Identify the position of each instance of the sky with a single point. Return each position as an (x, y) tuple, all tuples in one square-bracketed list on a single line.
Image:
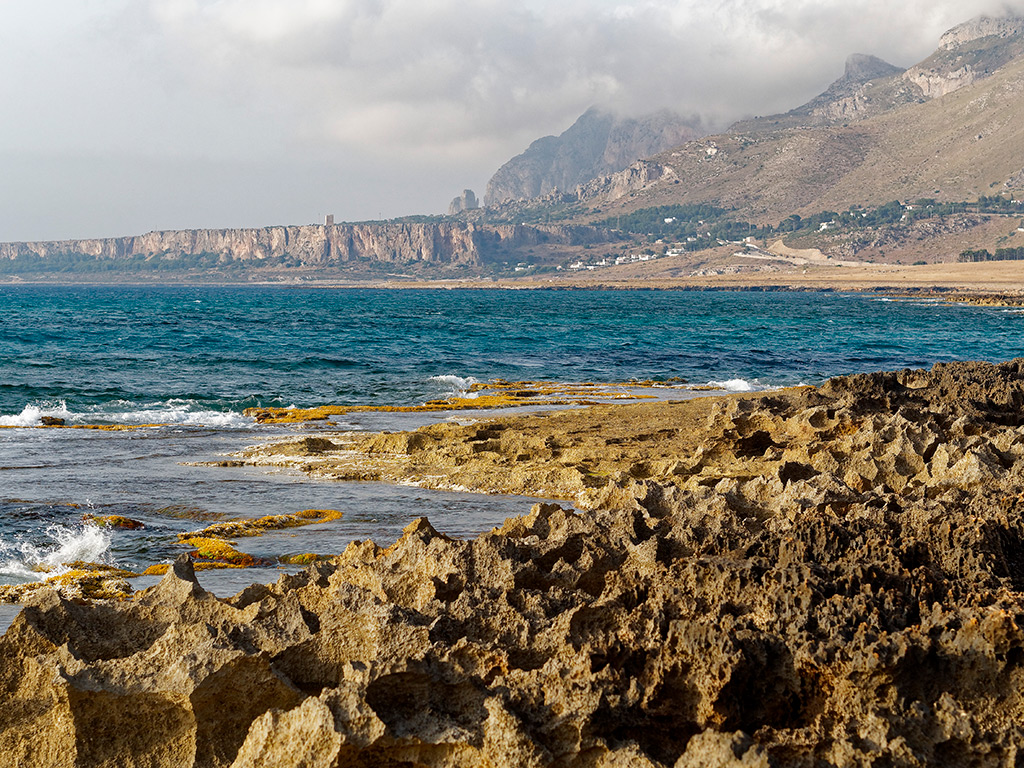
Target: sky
[(125, 116)]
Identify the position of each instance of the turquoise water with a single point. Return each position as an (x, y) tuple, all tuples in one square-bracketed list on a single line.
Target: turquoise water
[(194, 358)]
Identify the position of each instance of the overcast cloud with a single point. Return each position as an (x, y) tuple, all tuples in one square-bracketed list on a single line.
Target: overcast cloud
[(122, 116)]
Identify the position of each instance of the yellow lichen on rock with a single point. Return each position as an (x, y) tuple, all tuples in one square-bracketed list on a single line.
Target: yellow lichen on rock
[(113, 521), (485, 396), (83, 581), (258, 525), (219, 551), (160, 569)]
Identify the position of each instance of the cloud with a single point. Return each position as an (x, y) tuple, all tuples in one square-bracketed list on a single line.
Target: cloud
[(445, 76), (392, 106)]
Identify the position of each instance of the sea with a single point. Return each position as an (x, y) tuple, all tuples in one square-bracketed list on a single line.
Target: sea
[(190, 360)]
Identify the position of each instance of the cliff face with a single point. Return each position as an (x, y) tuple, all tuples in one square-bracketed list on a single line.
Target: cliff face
[(598, 143), (871, 87), (639, 176), (467, 201), (982, 27), (402, 243)]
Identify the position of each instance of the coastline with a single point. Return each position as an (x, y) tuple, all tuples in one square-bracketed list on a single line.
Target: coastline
[(827, 573), (949, 281)]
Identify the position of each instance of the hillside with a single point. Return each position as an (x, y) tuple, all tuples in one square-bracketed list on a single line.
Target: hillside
[(598, 143), (949, 128)]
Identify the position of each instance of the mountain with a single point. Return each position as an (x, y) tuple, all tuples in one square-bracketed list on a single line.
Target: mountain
[(950, 128), (598, 143)]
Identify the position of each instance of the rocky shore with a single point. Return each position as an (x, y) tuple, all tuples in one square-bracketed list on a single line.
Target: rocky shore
[(822, 576)]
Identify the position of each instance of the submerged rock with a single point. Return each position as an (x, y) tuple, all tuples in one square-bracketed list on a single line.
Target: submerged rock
[(811, 577)]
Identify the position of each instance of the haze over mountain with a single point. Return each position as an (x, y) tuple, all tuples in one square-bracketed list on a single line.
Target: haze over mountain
[(950, 128), (598, 143)]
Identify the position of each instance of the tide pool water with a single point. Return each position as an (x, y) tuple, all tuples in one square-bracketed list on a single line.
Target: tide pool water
[(192, 359)]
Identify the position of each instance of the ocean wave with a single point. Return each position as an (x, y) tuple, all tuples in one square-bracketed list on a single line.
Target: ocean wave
[(736, 385), (458, 385), (175, 412), (33, 413), (25, 561)]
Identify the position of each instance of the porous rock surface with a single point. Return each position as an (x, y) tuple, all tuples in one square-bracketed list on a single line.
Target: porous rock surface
[(812, 577)]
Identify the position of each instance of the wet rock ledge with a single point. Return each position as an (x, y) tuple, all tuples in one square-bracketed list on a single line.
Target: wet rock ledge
[(812, 577)]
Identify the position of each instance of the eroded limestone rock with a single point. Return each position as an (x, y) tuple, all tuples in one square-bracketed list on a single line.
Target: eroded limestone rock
[(820, 577)]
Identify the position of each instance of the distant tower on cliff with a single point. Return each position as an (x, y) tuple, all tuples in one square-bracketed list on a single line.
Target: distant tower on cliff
[(329, 220)]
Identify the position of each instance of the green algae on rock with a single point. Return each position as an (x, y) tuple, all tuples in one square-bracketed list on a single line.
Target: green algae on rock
[(258, 525)]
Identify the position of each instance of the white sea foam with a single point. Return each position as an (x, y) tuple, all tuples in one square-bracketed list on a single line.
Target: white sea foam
[(183, 412), (25, 561), (735, 385), (32, 414), (179, 412), (459, 385)]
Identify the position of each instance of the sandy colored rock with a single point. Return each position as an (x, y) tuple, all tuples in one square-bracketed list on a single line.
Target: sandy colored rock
[(812, 577)]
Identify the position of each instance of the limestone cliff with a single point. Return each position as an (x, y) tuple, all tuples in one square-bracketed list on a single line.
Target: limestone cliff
[(639, 176), (982, 27), (598, 143), (443, 243), (870, 86)]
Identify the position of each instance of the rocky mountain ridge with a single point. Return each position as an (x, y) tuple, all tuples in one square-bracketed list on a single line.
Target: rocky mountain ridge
[(598, 143), (947, 128)]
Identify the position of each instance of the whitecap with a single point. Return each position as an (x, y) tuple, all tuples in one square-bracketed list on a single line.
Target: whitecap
[(459, 385), (174, 412), (734, 385), (33, 413), (25, 561)]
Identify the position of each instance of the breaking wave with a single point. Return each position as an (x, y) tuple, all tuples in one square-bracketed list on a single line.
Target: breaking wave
[(171, 412), (32, 414), (25, 561), (458, 385), (736, 385)]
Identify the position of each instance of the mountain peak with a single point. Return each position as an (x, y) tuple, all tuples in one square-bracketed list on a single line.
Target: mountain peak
[(598, 143), (981, 27), (862, 68)]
